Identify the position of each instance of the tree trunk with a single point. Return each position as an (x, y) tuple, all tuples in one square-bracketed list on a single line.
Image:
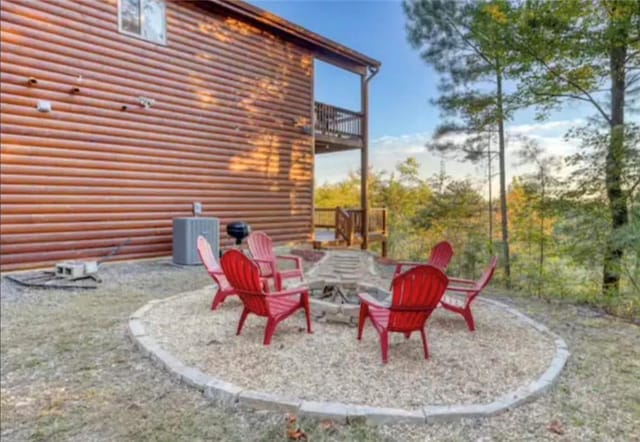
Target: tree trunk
[(542, 213), (503, 180), (613, 172), (490, 207)]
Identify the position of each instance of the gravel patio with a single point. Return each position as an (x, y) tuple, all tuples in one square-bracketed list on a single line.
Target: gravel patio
[(332, 365), (69, 372)]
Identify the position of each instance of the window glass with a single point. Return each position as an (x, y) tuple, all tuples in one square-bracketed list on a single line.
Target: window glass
[(130, 16), (153, 20), (144, 18)]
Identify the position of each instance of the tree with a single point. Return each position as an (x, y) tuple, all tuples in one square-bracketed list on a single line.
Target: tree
[(586, 51), (454, 211), (463, 41), (541, 184)]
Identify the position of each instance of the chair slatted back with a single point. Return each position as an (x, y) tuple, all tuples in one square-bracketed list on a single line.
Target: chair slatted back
[(441, 255), (261, 247), (244, 276), (415, 294), (206, 255)]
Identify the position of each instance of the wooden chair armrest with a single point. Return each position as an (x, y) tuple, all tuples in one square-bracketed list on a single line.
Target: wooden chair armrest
[(461, 281), (296, 259), (461, 289), (401, 264), (267, 262), (366, 298), (304, 290)]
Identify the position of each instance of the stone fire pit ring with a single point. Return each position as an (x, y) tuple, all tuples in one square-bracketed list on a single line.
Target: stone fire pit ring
[(147, 333)]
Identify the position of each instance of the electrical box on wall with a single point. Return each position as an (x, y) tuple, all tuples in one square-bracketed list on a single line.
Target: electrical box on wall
[(44, 106)]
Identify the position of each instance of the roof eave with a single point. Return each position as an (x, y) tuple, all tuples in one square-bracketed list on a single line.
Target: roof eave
[(329, 50)]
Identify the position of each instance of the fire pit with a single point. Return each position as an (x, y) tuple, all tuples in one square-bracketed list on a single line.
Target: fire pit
[(335, 300)]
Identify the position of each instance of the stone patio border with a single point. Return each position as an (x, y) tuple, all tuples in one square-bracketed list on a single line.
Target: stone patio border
[(229, 395)]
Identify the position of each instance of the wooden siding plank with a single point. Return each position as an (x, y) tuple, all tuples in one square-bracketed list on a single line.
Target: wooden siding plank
[(225, 130)]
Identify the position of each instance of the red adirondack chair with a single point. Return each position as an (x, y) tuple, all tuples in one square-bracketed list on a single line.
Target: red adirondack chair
[(261, 248), (440, 257), (471, 289), (244, 275), (215, 271), (416, 294)]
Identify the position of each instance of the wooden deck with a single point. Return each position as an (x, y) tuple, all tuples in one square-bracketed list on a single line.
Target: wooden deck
[(324, 235), (337, 129)]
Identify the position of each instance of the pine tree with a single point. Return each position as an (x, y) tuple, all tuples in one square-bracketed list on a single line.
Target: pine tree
[(587, 51), (463, 41)]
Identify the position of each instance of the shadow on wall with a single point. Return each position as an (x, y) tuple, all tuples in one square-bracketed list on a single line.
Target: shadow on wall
[(274, 109)]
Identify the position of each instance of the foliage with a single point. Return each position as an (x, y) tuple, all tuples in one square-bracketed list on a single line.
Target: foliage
[(553, 52), (573, 230), (589, 163), (586, 51), (342, 194), (565, 51), (465, 42)]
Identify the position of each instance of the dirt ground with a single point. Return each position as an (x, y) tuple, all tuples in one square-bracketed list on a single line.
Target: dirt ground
[(69, 372)]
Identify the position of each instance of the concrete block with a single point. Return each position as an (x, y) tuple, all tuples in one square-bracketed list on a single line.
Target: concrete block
[(222, 393), (268, 401), (439, 413), (136, 328), (387, 416), (194, 377), (324, 410)]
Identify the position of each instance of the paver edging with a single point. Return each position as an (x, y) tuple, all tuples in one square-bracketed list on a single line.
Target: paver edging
[(229, 395)]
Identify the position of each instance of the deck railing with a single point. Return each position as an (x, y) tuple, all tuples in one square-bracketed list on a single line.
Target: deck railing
[(344, 226), (377, 220), (336, 121), (326, 218)]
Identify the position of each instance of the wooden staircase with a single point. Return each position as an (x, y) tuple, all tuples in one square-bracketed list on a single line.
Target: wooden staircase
[(342, 228)]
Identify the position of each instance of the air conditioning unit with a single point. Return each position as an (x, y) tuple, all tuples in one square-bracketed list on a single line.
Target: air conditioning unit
[(185, 236)]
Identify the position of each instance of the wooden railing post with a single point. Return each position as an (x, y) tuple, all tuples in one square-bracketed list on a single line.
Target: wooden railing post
[(384, 220), (344, 225), (384, 232)]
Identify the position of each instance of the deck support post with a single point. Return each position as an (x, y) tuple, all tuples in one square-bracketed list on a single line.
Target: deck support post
[(364, 160), (364, 154)]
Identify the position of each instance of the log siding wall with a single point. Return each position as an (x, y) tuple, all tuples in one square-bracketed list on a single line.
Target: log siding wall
[(226, 129)]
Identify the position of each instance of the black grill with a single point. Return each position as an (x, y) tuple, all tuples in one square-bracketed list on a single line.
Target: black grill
[(238, 230)]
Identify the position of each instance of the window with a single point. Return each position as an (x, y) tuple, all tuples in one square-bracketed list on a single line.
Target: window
[(143, 18)]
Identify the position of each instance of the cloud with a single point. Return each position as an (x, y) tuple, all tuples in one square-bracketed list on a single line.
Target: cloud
[(388, 151), (560, 126)]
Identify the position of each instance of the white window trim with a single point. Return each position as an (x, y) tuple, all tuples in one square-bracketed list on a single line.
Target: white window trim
[(139, 36)]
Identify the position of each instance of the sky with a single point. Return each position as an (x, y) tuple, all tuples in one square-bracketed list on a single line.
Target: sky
[(402, 118)]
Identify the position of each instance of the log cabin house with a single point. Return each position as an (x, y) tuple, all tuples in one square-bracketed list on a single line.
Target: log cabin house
[(117, 115)]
